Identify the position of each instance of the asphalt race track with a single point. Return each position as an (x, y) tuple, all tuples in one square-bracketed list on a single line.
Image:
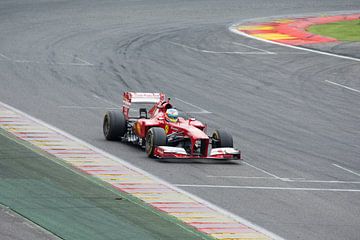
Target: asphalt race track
[(66, 62)]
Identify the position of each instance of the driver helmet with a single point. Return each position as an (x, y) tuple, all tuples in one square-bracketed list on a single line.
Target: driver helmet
[(171, 115)]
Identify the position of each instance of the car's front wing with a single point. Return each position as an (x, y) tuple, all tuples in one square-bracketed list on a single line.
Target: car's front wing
[(215, 153)]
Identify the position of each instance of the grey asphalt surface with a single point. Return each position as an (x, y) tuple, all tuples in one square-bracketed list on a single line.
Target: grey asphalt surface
[(342, 48), (66, 62), (10, 221)]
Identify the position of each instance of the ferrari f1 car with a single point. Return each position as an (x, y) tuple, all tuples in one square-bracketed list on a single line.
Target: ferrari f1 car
[(143, 121)]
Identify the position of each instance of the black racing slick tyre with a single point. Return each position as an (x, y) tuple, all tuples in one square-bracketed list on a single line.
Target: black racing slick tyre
[(114, 126), (222, 139), (155, 136)]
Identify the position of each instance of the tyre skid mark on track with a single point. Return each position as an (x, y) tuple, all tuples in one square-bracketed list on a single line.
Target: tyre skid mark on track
[(196, 212)]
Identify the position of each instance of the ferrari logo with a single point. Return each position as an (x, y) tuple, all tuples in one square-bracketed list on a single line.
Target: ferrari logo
[(166, 129)]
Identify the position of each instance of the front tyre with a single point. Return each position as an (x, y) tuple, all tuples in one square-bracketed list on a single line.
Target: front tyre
[(155, 137), (222, 139), (114, 125)]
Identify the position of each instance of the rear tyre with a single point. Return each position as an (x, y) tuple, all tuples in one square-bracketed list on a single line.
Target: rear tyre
[(114, 125), (155, 137), (222, 139)]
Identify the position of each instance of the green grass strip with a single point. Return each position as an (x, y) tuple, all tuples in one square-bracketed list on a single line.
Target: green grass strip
[(342, 31), (74, 205)]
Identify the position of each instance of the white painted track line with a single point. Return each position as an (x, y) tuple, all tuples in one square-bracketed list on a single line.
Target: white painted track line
[(106, 101), (343, 86), (86, 107), (323, 181), (83, 61), (262, 170), (76, 57), (295, 180), (259, 49), (46, 63), (6, 57), (217, 52), (348, 170), (190, 104), (240, 177), (268, 188)]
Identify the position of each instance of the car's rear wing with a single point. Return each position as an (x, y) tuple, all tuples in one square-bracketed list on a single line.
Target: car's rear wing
[(137, 97), (133, 97)]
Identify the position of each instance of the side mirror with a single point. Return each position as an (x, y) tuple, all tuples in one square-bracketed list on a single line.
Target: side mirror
[(191, 119)]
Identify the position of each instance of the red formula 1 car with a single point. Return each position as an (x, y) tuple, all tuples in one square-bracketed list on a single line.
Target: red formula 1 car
[(143, 121)]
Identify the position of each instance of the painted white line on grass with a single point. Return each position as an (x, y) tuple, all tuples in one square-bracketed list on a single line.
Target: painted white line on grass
[(203, 111), (259, 49), (269, 188), (234, 30), (216, 52), (133, 167), (343, 86), (348, 170)]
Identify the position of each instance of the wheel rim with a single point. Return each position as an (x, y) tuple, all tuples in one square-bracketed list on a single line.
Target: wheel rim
[(149, 144), (217, 138), (106, 126)]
